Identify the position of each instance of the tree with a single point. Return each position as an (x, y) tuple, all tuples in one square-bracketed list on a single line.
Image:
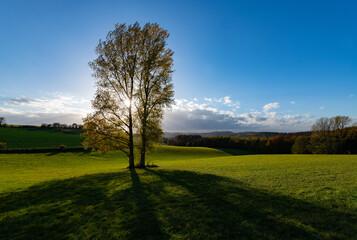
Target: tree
[(338, 125), (2, 121), (320, 141), (301, 145), (133, 72), (351, 140), (322, 125), (329, 135), (116, 69), (155, 89)]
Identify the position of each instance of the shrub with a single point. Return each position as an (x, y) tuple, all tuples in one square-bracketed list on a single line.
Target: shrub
[(3, 146), (62, 147)]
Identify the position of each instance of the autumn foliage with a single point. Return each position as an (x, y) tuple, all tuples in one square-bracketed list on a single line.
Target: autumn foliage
[(329, 136)]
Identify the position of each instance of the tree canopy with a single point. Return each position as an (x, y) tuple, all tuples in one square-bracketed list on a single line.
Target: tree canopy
[(133, 69)]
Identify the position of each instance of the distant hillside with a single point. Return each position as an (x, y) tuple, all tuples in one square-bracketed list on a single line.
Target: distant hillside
[(36, 137), (26, 137), (256, 134), (225, 133)]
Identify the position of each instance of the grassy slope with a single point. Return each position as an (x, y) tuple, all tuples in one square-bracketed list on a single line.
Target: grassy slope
[(23, 170), (196, 193), (23, 138)]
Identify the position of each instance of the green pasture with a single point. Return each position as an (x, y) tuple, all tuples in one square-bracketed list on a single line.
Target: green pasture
[(29, 138), (195, 193)]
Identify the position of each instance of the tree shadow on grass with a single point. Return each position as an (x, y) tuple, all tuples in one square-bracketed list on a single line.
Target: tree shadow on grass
[(144, 220), (162, 204)]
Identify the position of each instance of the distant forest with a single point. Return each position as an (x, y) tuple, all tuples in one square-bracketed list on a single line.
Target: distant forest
[(328, 136), (283, 143)]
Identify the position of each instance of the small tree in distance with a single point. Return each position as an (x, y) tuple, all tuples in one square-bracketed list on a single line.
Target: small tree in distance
[(2, 121)]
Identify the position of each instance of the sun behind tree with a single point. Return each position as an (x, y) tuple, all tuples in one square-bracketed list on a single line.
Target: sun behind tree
[(134, 84)]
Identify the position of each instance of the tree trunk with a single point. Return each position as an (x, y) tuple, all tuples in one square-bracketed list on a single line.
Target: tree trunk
[(143, 146), (131, 141)]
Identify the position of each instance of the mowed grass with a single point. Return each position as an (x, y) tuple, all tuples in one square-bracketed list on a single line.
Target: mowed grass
[(195, 193), (29, 138)]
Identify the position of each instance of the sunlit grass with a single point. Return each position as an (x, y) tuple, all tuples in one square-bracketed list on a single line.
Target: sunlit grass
[(196, 193), (29, 138)]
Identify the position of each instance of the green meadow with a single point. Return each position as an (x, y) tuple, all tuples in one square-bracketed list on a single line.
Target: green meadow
[(195, 193), (31, 137)]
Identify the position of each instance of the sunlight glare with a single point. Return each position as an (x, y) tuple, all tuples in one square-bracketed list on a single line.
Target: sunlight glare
[(127, 102)]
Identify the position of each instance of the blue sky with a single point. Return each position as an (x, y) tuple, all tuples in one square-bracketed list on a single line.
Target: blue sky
[(239, 65)]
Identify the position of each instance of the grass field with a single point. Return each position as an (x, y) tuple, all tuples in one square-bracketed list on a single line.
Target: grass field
[(195, 193), (28, 138)]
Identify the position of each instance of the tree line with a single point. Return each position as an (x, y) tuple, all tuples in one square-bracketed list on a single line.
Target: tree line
[(328, 136), (277, 144), (61, 125), (43, 125), (333, 135)]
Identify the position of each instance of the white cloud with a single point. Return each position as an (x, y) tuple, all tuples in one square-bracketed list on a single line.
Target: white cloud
[(322, 107), (270, 106), (290, 116), (187, 105), (351, 95), (271, 114), (57, 103), (292, 102), (6, 111), (187, 115), (54, 107), (227, 100), (38, 118)]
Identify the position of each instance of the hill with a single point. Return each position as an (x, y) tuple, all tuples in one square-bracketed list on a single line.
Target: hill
[(36, 137)]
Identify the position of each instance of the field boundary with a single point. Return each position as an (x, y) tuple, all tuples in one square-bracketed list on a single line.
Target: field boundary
[(43, 150)]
